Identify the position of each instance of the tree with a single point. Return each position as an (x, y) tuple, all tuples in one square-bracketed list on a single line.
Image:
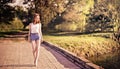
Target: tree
[(101, 17), (2, 2), (7, 13), (48, 9), (75, 13), (10, 16)]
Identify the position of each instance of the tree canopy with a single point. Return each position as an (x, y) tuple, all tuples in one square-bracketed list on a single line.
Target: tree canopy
[(81, 15), (69, 15)]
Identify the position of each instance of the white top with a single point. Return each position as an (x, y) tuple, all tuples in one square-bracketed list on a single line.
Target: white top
[(35, 28)]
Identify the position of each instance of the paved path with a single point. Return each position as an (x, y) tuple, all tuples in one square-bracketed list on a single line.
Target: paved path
[(18, 55)]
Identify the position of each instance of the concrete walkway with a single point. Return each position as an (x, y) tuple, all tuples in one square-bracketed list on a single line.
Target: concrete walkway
[(18, 55)]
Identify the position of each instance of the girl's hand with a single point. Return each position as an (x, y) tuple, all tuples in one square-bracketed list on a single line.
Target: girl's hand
[(41, 39), (29, 38)]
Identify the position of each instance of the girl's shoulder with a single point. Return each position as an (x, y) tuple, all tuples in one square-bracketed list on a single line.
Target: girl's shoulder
[(30, 23), (40, 24)]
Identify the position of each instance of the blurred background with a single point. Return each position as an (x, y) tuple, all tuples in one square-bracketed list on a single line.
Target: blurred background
[(87, 28)]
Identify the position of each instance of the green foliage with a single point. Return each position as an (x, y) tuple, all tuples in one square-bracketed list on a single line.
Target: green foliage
[(7, 13), (76, 13), (46, 10), (20, 12), (108, 61), (70, 10), (66, 27), (84, 45), (80, 11), (16, 23), (4, 27), (115, 4), (103, 17), (13, 25), (99, 23), (80, 27)]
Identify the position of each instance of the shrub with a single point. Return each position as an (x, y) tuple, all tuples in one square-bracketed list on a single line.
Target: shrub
[(13, 25), (66, 27), (4, 27), (16, 24)]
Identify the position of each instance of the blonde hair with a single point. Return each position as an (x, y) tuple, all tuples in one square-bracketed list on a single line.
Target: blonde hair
[(34, 18)]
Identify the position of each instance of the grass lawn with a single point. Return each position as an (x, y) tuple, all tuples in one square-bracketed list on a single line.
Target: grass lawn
[(86, 45)]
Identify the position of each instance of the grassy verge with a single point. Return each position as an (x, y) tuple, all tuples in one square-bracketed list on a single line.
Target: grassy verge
[(108, 61), (12, 32), (86, 45)]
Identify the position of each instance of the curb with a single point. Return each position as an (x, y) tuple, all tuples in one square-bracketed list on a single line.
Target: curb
[(82, 62)]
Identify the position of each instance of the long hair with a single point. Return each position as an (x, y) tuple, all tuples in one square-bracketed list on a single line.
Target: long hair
[(36, 18)]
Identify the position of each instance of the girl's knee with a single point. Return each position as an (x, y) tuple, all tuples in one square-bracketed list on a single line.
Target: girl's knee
[(37, 48)]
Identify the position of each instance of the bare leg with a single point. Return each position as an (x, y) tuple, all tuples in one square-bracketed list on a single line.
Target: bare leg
[(33, 48), (37, 51)]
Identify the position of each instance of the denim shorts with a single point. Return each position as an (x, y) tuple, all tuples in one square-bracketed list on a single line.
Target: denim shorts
[(34, 36)]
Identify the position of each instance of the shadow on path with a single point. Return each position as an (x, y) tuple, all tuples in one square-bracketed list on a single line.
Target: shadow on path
[(61, 59)]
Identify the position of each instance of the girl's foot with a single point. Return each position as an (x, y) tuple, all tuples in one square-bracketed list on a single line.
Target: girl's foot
[(35, 62)]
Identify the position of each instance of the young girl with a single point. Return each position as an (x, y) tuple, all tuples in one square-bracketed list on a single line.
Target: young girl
[(35, 36)]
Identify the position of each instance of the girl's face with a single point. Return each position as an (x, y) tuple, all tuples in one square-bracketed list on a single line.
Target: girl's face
[(37, 19)]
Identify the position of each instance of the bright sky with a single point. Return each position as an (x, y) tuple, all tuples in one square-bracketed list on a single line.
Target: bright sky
[(18, 3)]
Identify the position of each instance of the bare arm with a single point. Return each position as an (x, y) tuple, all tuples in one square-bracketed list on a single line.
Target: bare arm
[(29, 33), (40, 33)]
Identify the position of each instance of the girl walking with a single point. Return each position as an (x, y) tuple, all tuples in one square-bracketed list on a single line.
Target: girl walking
[(35, 36)]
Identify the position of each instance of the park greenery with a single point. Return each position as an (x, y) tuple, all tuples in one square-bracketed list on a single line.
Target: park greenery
[(79, 15), (66, 15), (86, 45), (84, 27)]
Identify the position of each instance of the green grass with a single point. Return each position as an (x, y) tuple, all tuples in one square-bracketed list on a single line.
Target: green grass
[(11, 32), (86, 45), (108, 61)]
